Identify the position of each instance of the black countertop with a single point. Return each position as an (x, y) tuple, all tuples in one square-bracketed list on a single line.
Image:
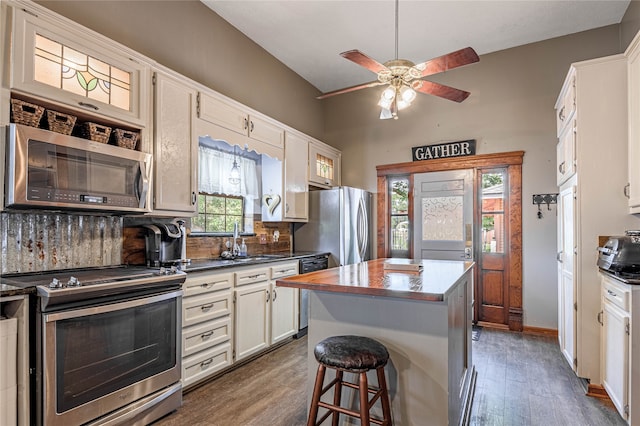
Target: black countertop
[(21, 284)]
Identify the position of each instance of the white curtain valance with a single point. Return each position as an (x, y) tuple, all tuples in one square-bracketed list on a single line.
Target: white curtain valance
[(215, 168)]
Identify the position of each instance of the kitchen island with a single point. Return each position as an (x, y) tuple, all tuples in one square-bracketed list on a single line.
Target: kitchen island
[(424, 320)]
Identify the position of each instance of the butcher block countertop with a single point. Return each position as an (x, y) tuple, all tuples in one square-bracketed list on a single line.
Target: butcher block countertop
[(433, 282)]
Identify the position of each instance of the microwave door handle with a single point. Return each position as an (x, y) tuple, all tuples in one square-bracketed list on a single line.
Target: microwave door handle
[(144, 179)]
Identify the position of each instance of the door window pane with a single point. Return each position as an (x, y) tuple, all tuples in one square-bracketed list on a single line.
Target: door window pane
[(492, 204), (399, 220), (442, 218)]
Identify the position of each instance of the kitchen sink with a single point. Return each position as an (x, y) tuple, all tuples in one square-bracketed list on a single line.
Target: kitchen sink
[(260, 257)]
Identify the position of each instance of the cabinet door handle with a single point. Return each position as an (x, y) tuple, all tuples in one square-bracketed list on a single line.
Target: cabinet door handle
[(251, 129), (561, 167), (559, 256), (246, 123), (626, 191), (88, 105), (600, 318), (561, 114), (268, 296), (275, 295), (193, 198), (206, 307)]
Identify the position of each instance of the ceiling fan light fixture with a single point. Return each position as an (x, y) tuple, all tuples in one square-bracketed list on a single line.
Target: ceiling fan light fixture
[(407, 94)]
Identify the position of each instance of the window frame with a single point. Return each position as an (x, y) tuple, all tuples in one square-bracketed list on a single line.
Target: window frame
[(241, 222), (398, 252)]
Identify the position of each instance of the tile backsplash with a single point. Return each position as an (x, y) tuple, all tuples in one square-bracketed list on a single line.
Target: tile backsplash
[(34, 242)]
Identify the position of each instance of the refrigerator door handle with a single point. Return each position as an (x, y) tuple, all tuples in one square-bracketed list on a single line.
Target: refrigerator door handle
[(363, 238)]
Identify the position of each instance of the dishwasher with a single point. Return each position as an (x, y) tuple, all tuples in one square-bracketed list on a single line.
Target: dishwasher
[(308, 264)]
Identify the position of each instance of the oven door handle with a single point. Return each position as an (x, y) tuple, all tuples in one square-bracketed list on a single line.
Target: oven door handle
[(95, 310)]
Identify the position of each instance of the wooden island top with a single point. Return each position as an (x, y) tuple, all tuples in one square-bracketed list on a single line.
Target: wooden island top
[(433, 283)]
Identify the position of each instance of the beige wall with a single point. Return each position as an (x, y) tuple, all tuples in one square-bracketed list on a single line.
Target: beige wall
[(189, 38), (511, 107)]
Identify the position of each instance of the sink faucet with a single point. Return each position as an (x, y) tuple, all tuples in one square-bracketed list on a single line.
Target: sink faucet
[(236, 248)]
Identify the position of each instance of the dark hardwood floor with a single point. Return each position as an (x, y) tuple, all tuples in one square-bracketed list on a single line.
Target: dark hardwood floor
[(522, 380)]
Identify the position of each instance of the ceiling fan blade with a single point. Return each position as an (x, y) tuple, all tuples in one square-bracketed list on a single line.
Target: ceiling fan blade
[(363, 60), (446, 92), (449, 61), (350, 89)]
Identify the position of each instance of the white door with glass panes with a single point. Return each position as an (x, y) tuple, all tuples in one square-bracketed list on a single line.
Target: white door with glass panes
[(443, 215)]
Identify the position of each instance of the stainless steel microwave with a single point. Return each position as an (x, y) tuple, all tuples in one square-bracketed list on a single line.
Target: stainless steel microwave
[(49, 170)]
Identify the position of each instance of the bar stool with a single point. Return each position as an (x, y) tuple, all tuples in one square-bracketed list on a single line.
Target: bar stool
[(353, 354)]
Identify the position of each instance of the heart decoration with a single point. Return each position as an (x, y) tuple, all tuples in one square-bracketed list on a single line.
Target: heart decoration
[(271, 201)]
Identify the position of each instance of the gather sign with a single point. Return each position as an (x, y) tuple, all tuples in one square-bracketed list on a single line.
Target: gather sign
[(444, 150)]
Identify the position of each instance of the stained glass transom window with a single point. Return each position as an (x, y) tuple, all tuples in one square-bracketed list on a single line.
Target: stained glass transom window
[(324, 167), (60, 66), (442, 218)]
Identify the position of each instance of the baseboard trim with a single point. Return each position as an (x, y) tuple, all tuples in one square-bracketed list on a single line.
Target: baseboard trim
[(493, 325), (540, 331)]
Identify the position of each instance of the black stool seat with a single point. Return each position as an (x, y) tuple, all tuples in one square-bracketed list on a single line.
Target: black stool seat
[(355, 355), (351, 353)]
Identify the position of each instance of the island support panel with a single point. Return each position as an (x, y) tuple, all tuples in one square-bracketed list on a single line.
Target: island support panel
[(430, 374)]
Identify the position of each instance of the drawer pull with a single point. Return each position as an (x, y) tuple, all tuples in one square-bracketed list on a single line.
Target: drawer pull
[(206, 335), (253, 277), (611, 293), (561, 114), (206, 307), (206, 363), (206, 285), (284, 271)]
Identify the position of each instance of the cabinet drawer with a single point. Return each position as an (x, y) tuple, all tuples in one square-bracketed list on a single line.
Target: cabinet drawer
[(616, 294), (206, 283), (205, 307), (205, 335), (250, 276), (205, 363), (284, 270)]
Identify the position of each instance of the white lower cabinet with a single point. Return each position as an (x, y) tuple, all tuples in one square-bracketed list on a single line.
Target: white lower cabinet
[(284, 303), (620, 304), (264, 314), (229, 316), (252, 319), (207, 326)]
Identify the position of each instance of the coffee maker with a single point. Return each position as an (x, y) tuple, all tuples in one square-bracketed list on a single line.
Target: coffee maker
[(165, 244)]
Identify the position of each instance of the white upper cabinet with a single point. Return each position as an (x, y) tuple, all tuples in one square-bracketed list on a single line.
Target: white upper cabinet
[(633, 80), (66, 64), (324, 165), (175, 147), (261, 134), (296, 182)]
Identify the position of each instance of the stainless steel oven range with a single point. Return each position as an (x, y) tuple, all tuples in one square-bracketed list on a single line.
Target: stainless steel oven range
[(108, 346)]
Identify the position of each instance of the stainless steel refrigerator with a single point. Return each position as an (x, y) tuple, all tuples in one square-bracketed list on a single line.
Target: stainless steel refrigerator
[(339, 223)]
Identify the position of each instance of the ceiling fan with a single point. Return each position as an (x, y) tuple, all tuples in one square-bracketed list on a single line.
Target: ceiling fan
[(404, 78)]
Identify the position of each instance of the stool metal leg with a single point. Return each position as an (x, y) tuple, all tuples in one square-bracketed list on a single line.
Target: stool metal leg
[(337, 395), (384, 397), (317, 389), (364, 399)]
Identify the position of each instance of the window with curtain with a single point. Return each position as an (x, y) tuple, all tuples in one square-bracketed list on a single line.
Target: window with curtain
[(221, 202)]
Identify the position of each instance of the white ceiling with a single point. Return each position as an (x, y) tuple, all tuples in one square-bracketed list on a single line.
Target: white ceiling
[(308, 35)]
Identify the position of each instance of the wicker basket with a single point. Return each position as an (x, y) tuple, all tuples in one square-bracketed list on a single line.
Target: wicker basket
[(60, 123), (26, 113), (96, 132), (125, 138)]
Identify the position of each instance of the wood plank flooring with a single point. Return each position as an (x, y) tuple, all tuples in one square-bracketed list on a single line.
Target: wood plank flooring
[(522, 380)]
